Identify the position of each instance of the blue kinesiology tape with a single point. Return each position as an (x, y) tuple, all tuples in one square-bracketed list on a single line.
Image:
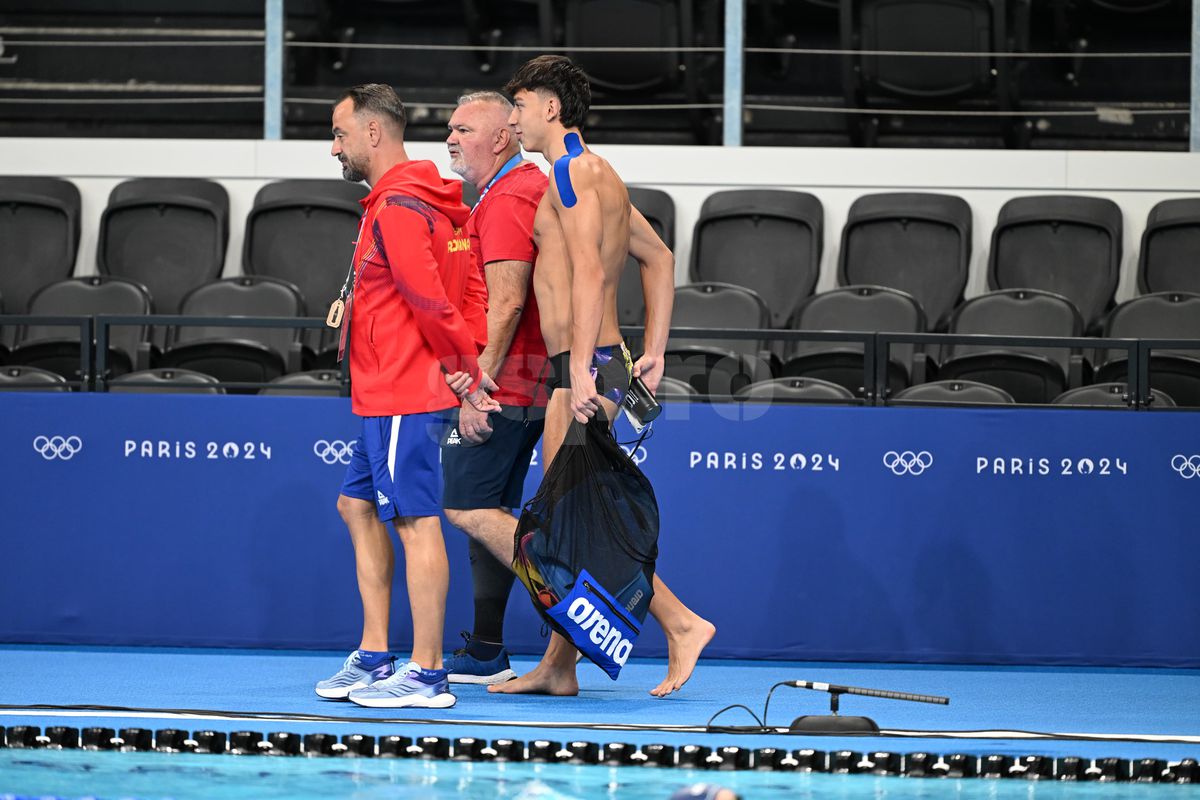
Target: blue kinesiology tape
[(562, 169)]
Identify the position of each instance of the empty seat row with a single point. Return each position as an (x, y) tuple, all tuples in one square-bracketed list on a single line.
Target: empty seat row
[(1031, 374), (166, 380), (170, 235), (920, 243), (234, 353)]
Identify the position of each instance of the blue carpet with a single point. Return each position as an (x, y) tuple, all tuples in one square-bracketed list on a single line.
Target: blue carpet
[(1065, 700)]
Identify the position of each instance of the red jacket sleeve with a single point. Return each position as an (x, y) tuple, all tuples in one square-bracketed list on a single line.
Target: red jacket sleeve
[(408, 244)]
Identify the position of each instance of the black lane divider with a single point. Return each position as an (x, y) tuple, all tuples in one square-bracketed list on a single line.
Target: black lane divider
[(918, 764), (283, 716)]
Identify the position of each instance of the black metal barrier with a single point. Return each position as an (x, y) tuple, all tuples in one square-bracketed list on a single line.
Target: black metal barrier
[(95, 337)]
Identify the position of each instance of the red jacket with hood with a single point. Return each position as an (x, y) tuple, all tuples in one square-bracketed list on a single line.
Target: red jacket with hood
[(420, 305)]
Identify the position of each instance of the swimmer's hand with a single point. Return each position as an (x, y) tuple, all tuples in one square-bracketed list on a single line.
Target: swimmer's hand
[(650, 369), (584, 400), (473, 424)]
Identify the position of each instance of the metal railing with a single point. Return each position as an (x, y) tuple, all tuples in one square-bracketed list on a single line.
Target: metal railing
[(94, 336)]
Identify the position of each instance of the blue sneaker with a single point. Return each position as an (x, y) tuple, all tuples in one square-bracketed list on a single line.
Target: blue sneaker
[(353, 676), (466, 668), (406, 689)]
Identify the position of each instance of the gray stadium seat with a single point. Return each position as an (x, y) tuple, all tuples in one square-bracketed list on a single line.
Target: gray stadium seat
[(39, 226), (1066, 244), (168, 234), (871, 309), (716, 366), (767, 240), (800, 390), (165, 380), (1108, 394), (56, 347), (1163, 315), (314, 383), (1167, 260), (917, 243), (234, 354), (951, 393), (673, 389), (31, 379), (659, 210), (1030, 375)]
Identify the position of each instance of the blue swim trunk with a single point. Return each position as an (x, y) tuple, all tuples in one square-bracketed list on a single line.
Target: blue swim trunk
[(396, 466)]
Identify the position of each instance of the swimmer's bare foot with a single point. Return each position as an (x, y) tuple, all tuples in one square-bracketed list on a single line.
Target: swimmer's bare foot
[(542, 679), (684, 645)]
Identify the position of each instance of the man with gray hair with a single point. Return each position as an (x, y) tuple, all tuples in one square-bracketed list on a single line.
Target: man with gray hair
[(485, 457)]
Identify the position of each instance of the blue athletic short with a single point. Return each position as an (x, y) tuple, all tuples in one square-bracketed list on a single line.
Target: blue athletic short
[(395, 465), (491, 474)]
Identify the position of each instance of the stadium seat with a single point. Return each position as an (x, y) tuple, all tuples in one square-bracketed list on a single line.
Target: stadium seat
[(56, 347), (1066, 244), (768, 240), (31, 379), (238, 354), (715, 366), (672, 389), (168, 234), (917, 243), (635, 76), (165, 380), (314, 383), (870, 309), (951, 393), (1029, 374), (881, 80), (804, 390), (659, 210), (1108, 394), (1163, 315), (1167, 259), (39, 226), (302, 231)]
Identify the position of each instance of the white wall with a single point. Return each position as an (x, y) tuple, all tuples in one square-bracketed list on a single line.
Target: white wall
[(984, 178)]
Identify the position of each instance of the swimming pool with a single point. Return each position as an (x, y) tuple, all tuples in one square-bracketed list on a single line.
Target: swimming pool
[(151, 776)]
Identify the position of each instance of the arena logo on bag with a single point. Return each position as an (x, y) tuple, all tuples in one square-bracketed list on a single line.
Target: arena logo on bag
[(1044, 466), (185, 450), (60, 448), (334, 451), (907, 462)]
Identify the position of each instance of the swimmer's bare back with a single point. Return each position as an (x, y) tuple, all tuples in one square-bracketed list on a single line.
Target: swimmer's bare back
[(574, 223)]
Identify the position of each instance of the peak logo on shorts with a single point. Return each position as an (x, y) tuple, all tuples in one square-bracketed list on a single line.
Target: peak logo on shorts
[(452, 438), (603, 633)]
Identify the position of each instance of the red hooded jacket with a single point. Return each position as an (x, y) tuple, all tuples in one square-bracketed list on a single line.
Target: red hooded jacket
[(420, 305)]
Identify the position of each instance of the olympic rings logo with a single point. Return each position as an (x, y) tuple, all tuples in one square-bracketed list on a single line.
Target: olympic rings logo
[(1188, 467), (333, 452), (636, 456), (52, 447), (907, 462)]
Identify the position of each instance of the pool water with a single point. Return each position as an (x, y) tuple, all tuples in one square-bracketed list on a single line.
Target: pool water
[(151, 776)]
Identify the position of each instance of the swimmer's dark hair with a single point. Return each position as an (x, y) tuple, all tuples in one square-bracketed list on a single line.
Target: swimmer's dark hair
[(561, 77), (377, 98)]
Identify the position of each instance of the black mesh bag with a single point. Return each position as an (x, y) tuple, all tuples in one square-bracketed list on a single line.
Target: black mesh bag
[(586, 544)]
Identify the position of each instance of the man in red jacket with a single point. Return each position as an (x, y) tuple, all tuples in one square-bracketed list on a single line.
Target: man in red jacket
[(416, 309)]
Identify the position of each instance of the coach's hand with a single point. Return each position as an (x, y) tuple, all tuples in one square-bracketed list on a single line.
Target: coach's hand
[(460, 382), (650, 369), (473, 424)]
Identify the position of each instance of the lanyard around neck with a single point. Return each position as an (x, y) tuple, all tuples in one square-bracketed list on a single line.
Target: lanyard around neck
[(509, 165)]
